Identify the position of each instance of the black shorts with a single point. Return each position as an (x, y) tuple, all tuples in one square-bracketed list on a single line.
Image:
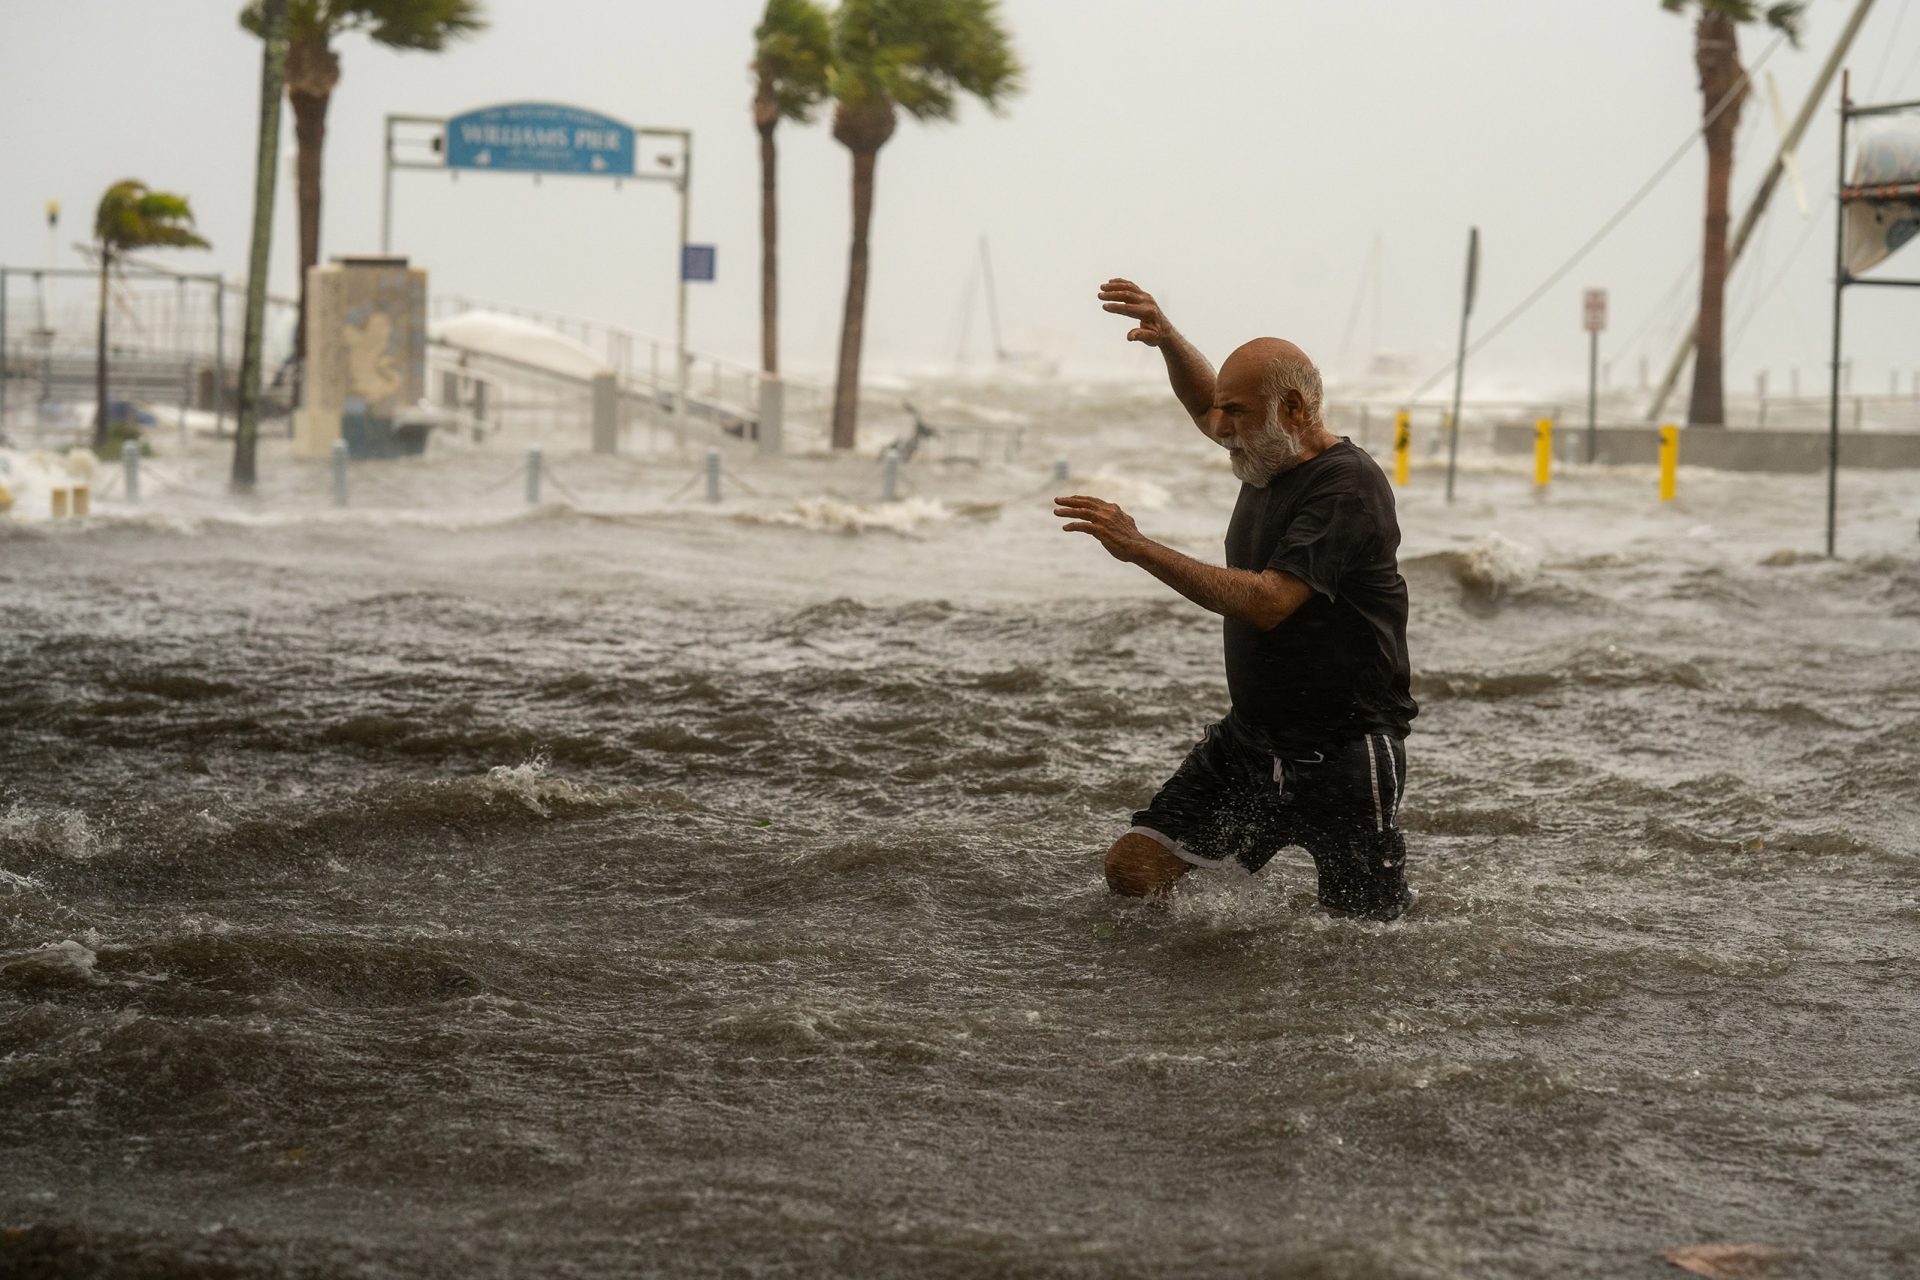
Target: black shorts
[(1232, 804)]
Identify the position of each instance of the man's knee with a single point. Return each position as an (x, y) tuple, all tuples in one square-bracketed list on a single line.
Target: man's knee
[(1141, 867)]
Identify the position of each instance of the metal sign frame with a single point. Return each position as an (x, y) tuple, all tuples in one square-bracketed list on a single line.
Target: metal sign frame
[(418, 134), (1842, 277)]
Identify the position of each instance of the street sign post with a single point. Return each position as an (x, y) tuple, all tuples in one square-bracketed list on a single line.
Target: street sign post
[(546, 137), (1594, 314), (540, 137), (1460, 361)]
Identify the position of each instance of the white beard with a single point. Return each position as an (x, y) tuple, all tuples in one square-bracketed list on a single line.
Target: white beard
[(1266, 454)]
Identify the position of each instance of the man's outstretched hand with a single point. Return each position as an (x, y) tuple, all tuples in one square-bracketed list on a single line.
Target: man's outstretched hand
[(1125, 298), (1112, 526)]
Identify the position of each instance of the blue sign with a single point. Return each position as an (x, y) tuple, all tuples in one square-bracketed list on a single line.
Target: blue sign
[(540, 137), (696, 261)]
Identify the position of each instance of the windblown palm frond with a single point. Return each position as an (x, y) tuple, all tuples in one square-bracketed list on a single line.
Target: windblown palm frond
[(792, 50)]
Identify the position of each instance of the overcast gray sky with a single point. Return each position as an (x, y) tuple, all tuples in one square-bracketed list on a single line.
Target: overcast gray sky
[(1239, 157)]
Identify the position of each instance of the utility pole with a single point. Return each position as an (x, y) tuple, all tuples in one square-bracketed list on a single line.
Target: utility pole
[(273, 70)]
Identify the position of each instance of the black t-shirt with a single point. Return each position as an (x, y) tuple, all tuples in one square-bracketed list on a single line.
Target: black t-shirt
[(1337, 668)]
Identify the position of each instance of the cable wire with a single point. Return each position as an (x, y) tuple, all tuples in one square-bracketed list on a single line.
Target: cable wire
[(1606, 229)]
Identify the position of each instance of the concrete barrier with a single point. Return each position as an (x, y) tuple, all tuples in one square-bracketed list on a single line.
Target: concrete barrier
[(1735, 448)]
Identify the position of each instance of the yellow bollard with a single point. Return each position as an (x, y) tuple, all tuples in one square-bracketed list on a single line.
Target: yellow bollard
[(1542, 452), (1669, 460), (1402, 446), (59, 498), (6, 499), (82, 500)]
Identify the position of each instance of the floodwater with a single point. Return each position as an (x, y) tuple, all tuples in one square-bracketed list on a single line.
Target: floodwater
[(638, 886)]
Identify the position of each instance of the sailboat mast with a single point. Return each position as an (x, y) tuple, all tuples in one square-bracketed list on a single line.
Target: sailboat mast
[(993, 300)]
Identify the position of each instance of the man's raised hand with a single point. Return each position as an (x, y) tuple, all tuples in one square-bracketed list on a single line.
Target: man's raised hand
[(1125, 298), (1112, 526)]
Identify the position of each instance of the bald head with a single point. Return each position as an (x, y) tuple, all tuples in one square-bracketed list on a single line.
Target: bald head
[(1278, 374)]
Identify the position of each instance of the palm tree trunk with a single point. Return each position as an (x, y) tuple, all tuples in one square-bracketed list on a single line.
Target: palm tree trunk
[(100, 358), (846, 390), (1718, 58), (310, 135), (769, 256), (273, 66)]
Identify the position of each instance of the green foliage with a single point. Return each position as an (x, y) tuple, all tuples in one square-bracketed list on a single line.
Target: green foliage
[(398, 24), (1781, 17), (792, 51), (132, 217), (921, 54), (108, 448)]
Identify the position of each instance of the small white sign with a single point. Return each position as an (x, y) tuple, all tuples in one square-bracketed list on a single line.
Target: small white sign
[(1596, 311)]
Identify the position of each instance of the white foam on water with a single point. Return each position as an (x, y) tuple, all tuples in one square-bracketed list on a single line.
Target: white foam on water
[(528, 784), (1497, 565), (1127, 491), (12, 883), (65, 832), (55, 957), (830, 515)]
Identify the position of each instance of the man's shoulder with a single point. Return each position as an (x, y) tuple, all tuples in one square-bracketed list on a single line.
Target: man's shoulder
[(1344, 468)]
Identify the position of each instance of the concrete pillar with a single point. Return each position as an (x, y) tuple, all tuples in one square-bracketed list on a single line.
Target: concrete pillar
[(606, 413), (773, 405)]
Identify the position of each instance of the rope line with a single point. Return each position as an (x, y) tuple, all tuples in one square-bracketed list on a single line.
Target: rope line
[(1607, 228)]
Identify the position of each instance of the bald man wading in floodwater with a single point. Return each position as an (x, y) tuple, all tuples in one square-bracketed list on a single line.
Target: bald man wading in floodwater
[(1311, 752)]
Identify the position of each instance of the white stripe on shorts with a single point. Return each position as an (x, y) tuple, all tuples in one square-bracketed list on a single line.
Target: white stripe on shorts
[(1373, 780), (1181, 851), (1393, 779)]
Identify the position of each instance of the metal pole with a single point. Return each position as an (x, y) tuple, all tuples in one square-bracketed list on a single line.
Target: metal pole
[(1839, 284), (3, 349), (386, 186), (1460, 362), (219, 355), (339, 473), (680, 316), (1593, 373), (713, 475), (130, 463), (890, 475), (533, 476), (1751, 218)]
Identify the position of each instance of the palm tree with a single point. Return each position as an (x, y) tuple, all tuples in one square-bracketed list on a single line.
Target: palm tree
[(891, 56), (1723, 91), (313, 71), (132, 217), (792, 48)]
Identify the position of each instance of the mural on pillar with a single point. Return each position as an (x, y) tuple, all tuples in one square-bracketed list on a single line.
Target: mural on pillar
[(371, 365)]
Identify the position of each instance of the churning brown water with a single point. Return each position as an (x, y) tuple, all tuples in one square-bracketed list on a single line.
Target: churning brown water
[(637, 887)]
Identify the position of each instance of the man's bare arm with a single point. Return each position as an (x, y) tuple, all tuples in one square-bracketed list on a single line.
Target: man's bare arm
[(1262, 600), (1187, 370)]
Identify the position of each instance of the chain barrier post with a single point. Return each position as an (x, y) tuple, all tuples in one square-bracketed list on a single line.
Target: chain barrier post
[(533, 476), (890, 475), (1669, 461), (713, 475), (130, 463), (339, 473), (1402, 447), (1542, 453), (1059, 470)]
